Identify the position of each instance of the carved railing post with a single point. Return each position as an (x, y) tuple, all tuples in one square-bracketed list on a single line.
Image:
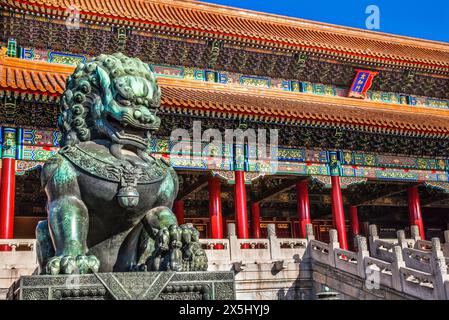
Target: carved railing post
[(373, 237), (309, 232), (436, 253), (271, 230), (362, 252), (396, 266), (414, 230), (234, 246), (333, 244), (441, 276), (274, 243), (446, 243), (307, 258), (402, 242), (231, 229)]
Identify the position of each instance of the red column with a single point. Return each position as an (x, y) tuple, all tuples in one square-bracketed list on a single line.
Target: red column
[(216, 221), (179, 211), (338, 213), (241, 215), (255, 217), (414, 207), (303, 207), (355, 227), (7, 189)]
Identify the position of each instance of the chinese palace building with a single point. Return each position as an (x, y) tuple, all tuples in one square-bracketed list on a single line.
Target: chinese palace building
[(363, 117)]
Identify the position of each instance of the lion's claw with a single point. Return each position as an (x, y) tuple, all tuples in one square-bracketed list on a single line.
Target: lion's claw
[(177, 249), (68, 264), (195, 258)]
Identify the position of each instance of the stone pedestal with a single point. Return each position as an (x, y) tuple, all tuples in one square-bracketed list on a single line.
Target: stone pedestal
[(126, 286)]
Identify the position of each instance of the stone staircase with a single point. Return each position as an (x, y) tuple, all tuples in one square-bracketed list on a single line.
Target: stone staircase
[(277, 268), (400, 268)]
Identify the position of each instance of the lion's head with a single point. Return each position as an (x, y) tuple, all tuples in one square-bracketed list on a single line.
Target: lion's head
[(113, 97)]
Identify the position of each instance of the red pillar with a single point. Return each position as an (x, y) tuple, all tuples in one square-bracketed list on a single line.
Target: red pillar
[(414, 207), (255, 218), (216, 220), (241, 215), (303, 206), (179, 211), (338, 213), (7, 189), (355, 227)]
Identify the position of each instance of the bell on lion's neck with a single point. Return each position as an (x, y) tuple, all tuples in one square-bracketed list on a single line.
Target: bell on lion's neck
[(128, 197)]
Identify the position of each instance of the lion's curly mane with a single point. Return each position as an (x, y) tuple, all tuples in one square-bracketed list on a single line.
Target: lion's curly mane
[(88, 88)]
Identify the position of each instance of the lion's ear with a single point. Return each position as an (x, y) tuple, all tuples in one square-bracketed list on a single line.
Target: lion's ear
[(105, 83)]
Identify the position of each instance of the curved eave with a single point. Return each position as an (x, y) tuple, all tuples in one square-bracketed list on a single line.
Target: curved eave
[(211, 99), (22, 77)]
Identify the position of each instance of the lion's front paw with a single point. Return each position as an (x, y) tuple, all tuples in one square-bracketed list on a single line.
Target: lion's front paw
[(68, 264), (194, 257), (198, 261)]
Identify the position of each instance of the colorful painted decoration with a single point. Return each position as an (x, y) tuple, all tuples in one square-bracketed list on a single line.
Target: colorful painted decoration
[(66, 58), (344, 181), (23, 166), (362, 83), (443, 186), (259, 82), (12, 47), (394, 174), (39, 137), (9, 143), (228, 176)]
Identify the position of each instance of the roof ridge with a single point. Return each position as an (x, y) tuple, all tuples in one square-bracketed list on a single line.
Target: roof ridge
[(36, 65), (255, 15), (313, 24)]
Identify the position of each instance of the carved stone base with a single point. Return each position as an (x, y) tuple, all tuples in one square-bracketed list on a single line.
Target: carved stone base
[(126, 286)]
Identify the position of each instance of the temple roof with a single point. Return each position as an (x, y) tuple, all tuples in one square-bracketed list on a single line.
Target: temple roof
[(201, 19), (213, 99), (33, 77)]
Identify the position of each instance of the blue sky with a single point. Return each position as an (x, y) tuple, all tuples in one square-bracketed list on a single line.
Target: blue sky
[(422, 19)]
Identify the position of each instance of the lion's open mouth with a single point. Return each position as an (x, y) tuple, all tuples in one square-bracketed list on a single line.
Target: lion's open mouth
[(126, 129)]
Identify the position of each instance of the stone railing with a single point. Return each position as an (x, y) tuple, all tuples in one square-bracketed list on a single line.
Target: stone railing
[(22, 252), (20, 260), (445, 246), (377, 245), (345, 260), (392, 263), (319, 251), (409, 266), (383, 248), (272, 249), (22, 244)]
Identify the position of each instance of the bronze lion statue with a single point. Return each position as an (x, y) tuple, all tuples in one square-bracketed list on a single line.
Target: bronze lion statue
[(109, 199)]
